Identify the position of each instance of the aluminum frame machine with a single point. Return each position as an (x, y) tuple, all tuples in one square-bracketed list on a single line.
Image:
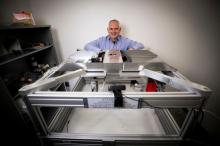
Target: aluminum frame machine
[(113, 98)]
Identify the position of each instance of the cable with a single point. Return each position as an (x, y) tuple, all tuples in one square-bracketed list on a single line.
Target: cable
[(198, 116), (67, 125), (140, 100), (158, 86), (192, 134), (202, 117), (213, 114)]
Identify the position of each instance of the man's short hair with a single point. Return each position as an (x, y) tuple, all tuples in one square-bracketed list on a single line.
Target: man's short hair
[(114, 20)]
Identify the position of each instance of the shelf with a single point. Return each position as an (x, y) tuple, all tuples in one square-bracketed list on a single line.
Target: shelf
[(23, 27), (12, 57)]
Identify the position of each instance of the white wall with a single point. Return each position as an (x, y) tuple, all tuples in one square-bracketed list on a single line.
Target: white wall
[(185, 34)]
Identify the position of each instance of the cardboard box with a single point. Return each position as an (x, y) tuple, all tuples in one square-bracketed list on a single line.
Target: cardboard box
[(23, 17)]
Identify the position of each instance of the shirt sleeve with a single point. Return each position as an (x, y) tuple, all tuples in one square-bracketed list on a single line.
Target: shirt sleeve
[(135, 45), (92, 46)]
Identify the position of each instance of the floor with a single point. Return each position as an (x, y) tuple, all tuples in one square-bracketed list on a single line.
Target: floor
[(198, 136)]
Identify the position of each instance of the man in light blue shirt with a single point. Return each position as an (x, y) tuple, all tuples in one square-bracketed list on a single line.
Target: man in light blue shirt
[(113, 41)]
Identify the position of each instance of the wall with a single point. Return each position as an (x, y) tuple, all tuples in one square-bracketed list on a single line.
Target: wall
[(185, 34), (8, 7)]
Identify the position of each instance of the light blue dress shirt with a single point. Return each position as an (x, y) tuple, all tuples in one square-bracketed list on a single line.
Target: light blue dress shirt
[(105, 43)]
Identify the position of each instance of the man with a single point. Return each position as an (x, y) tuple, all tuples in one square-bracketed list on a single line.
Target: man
[(113, 41)]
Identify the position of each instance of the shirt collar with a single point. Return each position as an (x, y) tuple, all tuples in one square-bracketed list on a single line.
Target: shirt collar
[(117, 39)]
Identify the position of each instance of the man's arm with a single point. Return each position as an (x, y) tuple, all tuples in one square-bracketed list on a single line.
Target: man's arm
[(92, 46), (133, 45)]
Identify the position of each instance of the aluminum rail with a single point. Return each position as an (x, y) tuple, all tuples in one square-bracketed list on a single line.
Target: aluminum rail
[(79, 99), (50, 82)]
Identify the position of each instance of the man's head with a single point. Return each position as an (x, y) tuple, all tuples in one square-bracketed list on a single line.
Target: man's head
[(114, 29)]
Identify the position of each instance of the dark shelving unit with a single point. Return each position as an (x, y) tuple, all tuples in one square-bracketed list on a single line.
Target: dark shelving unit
[(13, 57), (20, 47), (20, 44)]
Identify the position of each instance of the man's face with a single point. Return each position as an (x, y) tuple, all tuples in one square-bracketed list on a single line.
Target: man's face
[(114, 30)]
